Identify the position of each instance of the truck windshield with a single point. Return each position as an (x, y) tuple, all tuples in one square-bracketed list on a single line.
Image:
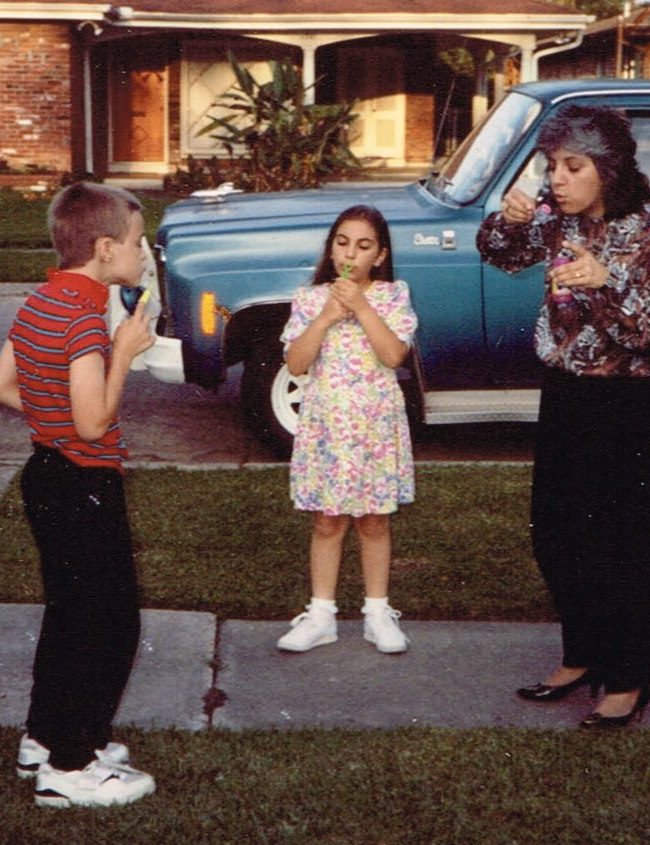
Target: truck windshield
[(481, 154)]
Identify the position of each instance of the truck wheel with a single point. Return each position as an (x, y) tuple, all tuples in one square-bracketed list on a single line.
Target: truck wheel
[(271, 397)]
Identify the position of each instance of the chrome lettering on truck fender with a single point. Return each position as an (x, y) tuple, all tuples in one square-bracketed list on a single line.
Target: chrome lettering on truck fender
[(425, 240)]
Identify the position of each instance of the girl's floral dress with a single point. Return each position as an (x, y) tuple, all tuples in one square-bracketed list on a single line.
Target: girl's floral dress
[(352, 450)]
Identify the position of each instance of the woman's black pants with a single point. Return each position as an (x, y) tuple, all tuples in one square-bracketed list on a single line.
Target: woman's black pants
[(91, 624), (591, 520)]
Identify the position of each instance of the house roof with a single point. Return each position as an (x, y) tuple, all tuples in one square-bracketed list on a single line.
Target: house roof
[(321, 9), (638, 20), (494, 14)]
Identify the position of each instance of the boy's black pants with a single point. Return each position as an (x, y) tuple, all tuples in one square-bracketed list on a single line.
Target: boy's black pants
[(91, 624)]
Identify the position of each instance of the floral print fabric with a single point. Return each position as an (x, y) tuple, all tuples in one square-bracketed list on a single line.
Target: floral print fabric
[(603, 332), (352, 450)]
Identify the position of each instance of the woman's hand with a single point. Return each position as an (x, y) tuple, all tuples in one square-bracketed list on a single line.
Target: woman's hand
[(517, 207), (584, 271)]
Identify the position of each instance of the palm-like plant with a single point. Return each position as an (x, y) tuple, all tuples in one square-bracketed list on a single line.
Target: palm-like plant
[(274, 139)]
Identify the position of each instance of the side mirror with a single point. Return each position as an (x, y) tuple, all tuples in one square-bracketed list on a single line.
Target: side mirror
[(129, 297)]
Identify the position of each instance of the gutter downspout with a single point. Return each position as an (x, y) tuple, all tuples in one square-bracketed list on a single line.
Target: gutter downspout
[(88, 113), (87, 92), (559, 48)]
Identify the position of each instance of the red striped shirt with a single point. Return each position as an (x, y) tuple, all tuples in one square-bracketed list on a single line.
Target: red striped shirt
[(60, 322)]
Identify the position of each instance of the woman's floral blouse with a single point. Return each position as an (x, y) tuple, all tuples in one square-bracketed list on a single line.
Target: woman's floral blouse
[(352, 450), (603, 332)]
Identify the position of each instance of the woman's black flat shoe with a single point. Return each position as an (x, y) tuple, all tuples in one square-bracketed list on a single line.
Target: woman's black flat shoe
[(596, 721), (546, 693)]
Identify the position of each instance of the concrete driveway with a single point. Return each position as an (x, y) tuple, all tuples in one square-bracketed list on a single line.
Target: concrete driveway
[(186, 424)]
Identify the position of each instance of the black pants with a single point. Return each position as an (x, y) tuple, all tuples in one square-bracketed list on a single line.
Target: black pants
[(591, 520), (91, 624)]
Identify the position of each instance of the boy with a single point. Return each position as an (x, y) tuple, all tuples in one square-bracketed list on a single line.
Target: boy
[(58, 369)]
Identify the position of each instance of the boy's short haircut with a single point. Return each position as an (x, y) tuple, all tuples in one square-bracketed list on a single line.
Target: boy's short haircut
[(81, 213)]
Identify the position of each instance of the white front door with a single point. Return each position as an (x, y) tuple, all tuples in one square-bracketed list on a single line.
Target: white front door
[(373, 78)]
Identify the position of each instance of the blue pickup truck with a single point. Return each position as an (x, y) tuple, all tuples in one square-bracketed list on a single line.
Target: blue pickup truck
[(231, 262)]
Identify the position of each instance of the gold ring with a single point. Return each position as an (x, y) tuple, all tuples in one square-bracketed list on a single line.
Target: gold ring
[(578, 274)]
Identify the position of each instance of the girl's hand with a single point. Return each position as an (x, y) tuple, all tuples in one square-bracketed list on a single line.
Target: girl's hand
[(517, 207), (349, 295), (584, 271), (333, 311)]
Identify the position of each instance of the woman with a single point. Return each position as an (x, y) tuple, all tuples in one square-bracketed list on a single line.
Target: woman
[(591, 481)]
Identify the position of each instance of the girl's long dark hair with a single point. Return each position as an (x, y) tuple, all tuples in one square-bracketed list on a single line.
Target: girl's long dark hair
[(605, 136), (325, 270)]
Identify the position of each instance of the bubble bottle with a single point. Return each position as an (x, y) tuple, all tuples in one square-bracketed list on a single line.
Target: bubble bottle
[(543, 213), (561, 295)]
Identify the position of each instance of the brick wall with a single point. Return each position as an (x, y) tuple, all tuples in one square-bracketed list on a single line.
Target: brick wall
[(596, 57), (35, 95)]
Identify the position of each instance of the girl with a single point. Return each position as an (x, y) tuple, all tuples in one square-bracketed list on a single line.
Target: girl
[(591, 483), (352, 451)]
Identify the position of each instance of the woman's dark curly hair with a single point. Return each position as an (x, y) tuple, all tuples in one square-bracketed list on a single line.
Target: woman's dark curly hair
[(605, 136), (325, 270)]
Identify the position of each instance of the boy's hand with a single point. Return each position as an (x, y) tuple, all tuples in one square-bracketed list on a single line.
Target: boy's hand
[(133, 335)]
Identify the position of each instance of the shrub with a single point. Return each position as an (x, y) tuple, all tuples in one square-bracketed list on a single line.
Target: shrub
[(199, 174), (275, 141)]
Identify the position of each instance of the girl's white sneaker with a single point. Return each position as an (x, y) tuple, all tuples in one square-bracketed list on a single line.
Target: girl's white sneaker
[(315, 627), (381, 627)]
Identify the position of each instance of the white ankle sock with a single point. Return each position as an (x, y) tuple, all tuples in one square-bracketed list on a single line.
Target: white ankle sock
[(323, 604), (371, 605)]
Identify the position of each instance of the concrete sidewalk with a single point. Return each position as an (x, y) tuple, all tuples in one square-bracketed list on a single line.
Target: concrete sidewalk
[(173, 668), (455, 674)]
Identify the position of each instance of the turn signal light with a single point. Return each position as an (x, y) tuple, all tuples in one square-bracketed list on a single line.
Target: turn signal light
[(208, 313)]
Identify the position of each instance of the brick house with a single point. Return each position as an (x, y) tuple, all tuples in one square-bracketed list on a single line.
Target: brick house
[(91, 87)]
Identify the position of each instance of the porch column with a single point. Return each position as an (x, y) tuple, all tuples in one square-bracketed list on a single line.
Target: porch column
[(309, 72), (480, 98), (526, 45), (501, 81), (528, 67)]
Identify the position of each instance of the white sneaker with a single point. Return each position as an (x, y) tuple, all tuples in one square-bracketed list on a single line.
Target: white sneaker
[(31, 755), (98, 785), (315, 627), (381, 627)]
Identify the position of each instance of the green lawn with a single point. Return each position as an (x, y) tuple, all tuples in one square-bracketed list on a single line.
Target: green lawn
[(19, 265), (230, 542), (398, 787), (23, 228)]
